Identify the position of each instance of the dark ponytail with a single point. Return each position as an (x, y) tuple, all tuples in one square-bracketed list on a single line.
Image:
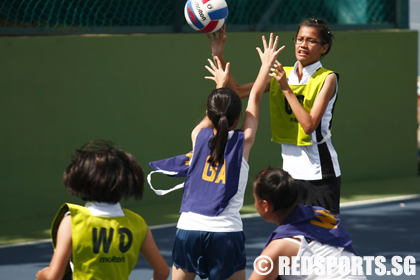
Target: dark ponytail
[(223, 108)]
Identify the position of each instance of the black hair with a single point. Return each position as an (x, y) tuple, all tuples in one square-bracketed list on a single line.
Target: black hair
[(223, 107), (323, 30), (100, 172), (277, 187)]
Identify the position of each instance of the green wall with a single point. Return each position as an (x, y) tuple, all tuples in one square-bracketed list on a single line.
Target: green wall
[(146, 93)]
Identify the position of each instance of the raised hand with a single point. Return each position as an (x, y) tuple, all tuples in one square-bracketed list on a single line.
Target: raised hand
[(270, 53), (218, 42), (220, 75)]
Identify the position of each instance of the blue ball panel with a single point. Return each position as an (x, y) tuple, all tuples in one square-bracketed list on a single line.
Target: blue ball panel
[(219, 14)]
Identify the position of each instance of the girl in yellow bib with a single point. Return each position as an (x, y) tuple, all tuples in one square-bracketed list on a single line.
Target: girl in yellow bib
[(302, 101), (101, 240)]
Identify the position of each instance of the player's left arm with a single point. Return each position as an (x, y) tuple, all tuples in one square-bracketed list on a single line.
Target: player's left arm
[(327, 92), (62, 253)]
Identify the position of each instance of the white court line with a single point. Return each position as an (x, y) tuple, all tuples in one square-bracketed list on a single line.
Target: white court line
[(26, 243), (252, 215), (379, 200), (360, 202), (163, 226)]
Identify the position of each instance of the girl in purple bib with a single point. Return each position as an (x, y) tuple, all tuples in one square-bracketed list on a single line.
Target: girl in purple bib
[(306, 239), (209, 241)]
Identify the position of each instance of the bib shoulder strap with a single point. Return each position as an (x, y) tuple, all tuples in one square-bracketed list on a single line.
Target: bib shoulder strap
[(288, 69)]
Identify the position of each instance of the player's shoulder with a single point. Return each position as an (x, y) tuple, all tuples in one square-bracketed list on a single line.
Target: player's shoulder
[(282, 247), (134, 215)]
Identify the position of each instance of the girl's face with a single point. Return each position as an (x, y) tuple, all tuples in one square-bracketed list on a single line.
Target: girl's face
[(308, 47), (259, 205), (263, 208)]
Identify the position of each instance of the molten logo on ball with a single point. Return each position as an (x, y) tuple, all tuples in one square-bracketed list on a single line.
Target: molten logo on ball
[(200, 11)]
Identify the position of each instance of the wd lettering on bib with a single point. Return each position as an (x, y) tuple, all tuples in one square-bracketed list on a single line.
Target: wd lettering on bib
[(102, 247), (101, 239), (105, 240), (123, 245)]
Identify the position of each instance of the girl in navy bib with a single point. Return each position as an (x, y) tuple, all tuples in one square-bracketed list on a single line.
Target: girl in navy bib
[(305, 233), (209, 241)]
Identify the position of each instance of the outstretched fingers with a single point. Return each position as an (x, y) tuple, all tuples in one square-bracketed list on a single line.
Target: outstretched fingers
[(221, 32), (211, 72), (212, 69), (213, 64), (279, 50), (220, 75), (217, 62), (227, 67), (270, 43), (264, 42), (260, 52), (270, 52), (214, 36)]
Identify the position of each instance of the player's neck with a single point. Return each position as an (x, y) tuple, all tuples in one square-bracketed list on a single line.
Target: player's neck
[(300, 67), (281, 217)]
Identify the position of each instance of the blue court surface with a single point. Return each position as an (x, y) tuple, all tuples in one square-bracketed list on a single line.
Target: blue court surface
[(385, 228)]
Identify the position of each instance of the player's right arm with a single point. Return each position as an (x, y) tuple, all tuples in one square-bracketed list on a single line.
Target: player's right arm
[(220, 77), (276, 248), (217, 48), (62, 253), (151, 253)]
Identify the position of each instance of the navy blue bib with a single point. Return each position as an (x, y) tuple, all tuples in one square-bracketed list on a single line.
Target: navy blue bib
[(315, 223), (209, 187)]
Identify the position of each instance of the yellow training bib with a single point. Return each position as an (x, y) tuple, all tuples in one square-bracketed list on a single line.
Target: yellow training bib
[(103, 247), (285, 127)]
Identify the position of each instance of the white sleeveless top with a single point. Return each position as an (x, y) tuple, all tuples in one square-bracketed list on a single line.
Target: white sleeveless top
[(314, 249)]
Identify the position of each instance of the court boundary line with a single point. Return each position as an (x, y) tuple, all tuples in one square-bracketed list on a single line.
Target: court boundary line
[(379, 200), (359, 202), (251, 215)]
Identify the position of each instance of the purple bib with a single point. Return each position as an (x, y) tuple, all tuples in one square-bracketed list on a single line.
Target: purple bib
[(315, 223), (209, 187)]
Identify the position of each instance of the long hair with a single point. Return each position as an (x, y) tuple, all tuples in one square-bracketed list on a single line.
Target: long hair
[(323, 30), (100, 172), (277, 187), (223, 108)]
